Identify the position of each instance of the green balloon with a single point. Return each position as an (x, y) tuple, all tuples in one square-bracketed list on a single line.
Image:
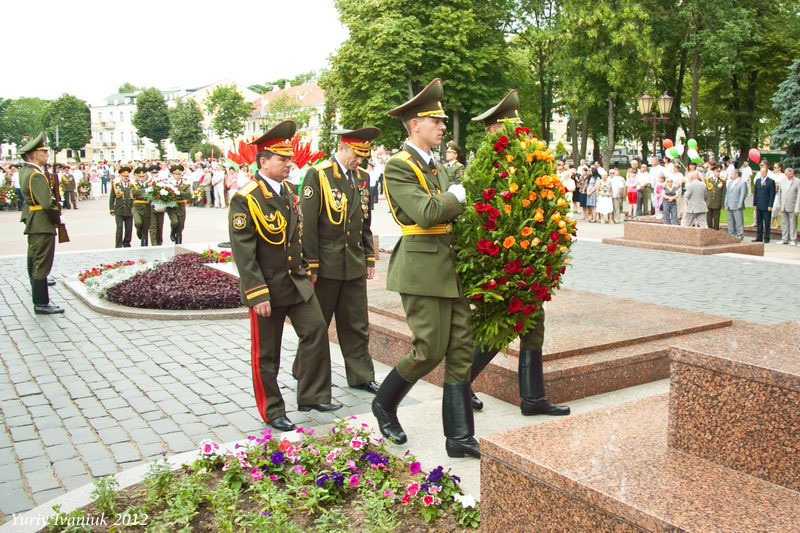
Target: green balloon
[(698, 160), (673, 153), (691, 143)]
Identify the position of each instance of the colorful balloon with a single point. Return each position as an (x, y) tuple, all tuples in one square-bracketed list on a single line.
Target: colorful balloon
[(755, 155), (692, 153), (680, 148), (692, 143), (673, 153), (668, 143)]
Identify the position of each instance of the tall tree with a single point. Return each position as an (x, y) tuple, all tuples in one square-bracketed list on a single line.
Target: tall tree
[(70, 117), (151, 118), (229, 111), (186, 127), (128, 87), (326, 140), (21, 118), (283, 107), (786, 101)]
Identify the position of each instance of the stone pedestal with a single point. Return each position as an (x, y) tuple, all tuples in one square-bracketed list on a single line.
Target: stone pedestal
[(700, 241)]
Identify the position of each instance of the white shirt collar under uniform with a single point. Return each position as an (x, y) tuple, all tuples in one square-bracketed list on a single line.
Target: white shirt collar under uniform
[(276, 186), (341, 166), (426, 156), (34, 165)]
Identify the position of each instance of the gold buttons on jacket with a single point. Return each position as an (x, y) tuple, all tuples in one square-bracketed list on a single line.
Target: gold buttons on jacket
[(289, 258), (290, 271)]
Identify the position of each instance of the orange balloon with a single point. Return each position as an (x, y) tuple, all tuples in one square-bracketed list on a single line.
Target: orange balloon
[(668, 143)]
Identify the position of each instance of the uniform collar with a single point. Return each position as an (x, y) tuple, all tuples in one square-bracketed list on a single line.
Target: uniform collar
[(426, 156), (276, 186), (34, 165)]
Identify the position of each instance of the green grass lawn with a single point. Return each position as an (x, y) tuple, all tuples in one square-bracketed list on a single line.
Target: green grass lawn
[(749, 216)]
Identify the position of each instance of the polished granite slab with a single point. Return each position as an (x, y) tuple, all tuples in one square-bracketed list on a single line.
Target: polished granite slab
[(612, 470), (702, 241)]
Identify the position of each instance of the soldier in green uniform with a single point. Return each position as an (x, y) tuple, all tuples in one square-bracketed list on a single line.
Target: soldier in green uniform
[(266, 233), (177, 214), (455, 168), (120, 205), (422, 269), (156, 217), (530, 369), (141, 205), (40, 214), (715, 197), (339, 250), (70, 188)]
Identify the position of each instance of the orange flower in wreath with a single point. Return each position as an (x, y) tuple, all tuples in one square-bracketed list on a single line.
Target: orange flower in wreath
[(509, 242), (529, 157), (536, 241), (524, 243), (509, 158), (513, 187), (507, 209), (532, 196), (539, 216), (526, 231), (526, 203)]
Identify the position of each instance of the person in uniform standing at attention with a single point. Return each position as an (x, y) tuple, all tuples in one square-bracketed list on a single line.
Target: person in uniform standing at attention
[(156, 217), (455, 169), (715, 197), (266, 233), (424, 204), (40, 214), (120, 205), (530, 369), (70, 189), (141, 206), (339, 249), (177, 214)]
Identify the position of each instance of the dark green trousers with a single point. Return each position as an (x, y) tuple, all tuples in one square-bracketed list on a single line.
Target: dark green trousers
[(124, 231), (313, 360), (534, 338), (156, 228), (41, 249), (141, 220), (347, 300), (441, 330), (177, 218)]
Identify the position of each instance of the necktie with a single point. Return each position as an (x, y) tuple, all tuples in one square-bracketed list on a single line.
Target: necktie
[(432, 166)]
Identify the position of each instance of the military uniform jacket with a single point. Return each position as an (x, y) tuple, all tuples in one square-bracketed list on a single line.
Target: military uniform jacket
[(266, 234), (422, 264), (139, 195), (455, 172), (40, 212), (120, 200), (337, 245), (715, 193), (68, 182)]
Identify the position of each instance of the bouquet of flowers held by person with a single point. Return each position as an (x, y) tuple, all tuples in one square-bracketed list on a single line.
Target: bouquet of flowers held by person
[(513, 239), (84, 189), (162, 193), (8, 196)]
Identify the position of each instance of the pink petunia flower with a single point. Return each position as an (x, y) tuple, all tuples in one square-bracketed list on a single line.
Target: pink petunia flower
[(415, 467), (412, 489), (351, 464), (354, 480), (357, 443), (428, 500)]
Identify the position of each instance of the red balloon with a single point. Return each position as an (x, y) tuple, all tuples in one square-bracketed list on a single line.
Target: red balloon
[(755, 155), (668, 143)]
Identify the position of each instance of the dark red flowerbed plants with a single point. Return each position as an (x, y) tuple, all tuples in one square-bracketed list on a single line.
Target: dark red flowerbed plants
[(181, 283)]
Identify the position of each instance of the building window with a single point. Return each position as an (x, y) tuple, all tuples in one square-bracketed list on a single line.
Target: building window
[(112, 155), (83, 153), (69, 153), (121, 118)]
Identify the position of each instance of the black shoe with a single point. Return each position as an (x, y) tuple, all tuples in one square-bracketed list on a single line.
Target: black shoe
[(542, 407), (391, 392), (282, 424), (172, 236), (47, 309), (458, 422), (369, 386), (757, 240), (50, 281), (321, 407), (476, 402)]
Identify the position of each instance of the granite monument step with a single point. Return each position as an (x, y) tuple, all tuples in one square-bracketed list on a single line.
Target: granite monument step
[(702, 241), (612, 470)]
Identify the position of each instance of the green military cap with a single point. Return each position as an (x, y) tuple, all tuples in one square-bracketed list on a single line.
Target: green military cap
[(506, 111), (124, 170), (359, 140), (277, 140), (153, 168), (426, 103), (176, 168), (36, 143), (140, 171), (452, 146)]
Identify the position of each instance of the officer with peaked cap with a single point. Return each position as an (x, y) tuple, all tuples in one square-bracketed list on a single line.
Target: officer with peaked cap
[(177, 214), (530, 369), (266, 233), (424, 204), (156, 217), (455, 168), (141, 205), (337, 243), (40, 214), (120, 205)]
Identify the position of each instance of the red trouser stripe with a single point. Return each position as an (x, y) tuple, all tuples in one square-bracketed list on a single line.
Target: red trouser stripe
[(255, 348)]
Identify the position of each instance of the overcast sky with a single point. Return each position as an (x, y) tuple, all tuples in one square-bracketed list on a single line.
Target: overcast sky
[(89, 48)]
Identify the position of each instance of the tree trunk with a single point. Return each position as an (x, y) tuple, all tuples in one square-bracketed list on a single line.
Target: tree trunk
[(595, 148), (611, 139), (410, 89), (675, 113), (456, 117), (584, 134), (573, 136), (695, 91)]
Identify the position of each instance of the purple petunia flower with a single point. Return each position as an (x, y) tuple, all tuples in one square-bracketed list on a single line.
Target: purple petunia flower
[(435, 475), (338, 479), (321, 479), (277, 458)]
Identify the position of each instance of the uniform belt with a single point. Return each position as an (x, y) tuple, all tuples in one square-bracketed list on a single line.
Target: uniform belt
[(35, 208), (141, 202), (184, 202), (438, 229)]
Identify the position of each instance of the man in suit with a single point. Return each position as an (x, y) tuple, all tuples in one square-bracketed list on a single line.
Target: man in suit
[(695, 201), (424, 204), (715, 196), (338, 247), (266, 228), (735, 195), (141, 205), (787, 200), (120, 205), (530, 366), (763, 199), (40, 214)]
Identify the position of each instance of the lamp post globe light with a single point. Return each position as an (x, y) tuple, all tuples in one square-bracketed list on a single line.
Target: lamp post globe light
[(645, 104)]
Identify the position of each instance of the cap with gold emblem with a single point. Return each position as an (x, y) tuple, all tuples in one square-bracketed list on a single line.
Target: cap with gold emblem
[(176, 168), (140, 171), (124, 170), (36, 143), (426, 103), (359, 140), (452, 146), (277, 140), (153, 168), (506, 111)]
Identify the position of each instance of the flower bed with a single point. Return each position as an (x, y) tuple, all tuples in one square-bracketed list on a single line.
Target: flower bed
[(342, 481), (180, 283), (222, 256), (99, 279)]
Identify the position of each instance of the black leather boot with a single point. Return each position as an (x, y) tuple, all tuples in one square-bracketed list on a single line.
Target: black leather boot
[(30, 267), (481, 357), (458, 422), (41, 299), (384, 406), (531, 386)]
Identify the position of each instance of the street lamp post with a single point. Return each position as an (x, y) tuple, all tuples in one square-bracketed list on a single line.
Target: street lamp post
[(664, 107)]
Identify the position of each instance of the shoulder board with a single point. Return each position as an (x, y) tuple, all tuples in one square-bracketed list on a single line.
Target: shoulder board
[(325, 164), (362, 171), (289, 186), (37, 173), (247, 189), (403, 155)]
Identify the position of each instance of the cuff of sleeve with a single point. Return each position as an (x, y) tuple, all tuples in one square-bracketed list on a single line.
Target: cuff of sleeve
[(371, 260), (313, 265), (256, 295)]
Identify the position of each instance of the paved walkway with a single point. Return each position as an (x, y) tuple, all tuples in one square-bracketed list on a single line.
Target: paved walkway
[(86, 395)]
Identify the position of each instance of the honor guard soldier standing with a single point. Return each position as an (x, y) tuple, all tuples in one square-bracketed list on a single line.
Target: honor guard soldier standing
[(141, 206), (266, 232), (120, 204), (530, 370), (156, 217), (422, 269), (337, 242), (715, 197), (455, 169), (40, 214), (70, 189), (177, 214)]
